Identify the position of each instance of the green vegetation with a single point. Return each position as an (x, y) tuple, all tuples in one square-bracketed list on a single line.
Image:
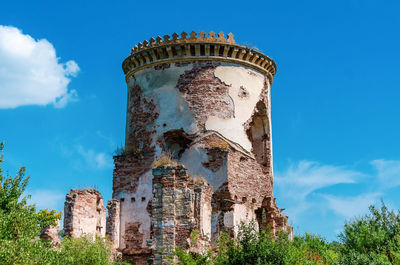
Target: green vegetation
[(252, 247), (373, 239), (20, 225)]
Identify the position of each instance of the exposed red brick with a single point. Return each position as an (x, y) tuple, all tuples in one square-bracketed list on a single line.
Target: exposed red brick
[(206, 94)]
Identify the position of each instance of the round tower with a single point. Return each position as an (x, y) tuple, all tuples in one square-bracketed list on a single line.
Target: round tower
[(203, 102)]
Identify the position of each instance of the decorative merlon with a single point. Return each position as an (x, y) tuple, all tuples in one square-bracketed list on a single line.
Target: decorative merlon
[(195, 47)]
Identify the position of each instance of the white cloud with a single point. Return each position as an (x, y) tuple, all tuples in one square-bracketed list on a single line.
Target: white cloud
[(93, 159), (388, 172), (30, 72), (307, 176), (71, 96), (46, 199), (349, 207)]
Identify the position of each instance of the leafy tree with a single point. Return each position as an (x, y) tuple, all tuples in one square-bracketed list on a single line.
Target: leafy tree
[(20, 226), (373, 238), (252, 247)]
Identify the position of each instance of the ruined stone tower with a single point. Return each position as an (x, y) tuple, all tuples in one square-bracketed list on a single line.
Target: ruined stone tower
[(198, 148), (205, 101)]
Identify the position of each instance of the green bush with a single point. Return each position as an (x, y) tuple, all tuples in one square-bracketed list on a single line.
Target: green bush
[(373, 238), (85, 251), (20, 225), (252, 247)]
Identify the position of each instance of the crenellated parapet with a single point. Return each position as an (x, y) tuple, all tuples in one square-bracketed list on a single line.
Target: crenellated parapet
[(195, 47)]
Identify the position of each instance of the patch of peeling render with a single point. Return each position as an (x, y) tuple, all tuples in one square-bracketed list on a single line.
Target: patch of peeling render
[(193, 157), (242, 214), (206, 94), (173, 109), (238, 78), (206, 220), (134, 208)]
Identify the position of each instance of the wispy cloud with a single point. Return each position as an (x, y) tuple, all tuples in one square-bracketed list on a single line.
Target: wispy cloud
[(30, 72), (47, 199), (388, 172), (87, 152), (310, 188), (301, 179), (109, 140), (93, 159), (349, 207)]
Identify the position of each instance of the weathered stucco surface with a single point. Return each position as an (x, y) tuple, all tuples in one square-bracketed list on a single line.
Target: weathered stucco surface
[(245, 86), (213, 118), (133, 210), (194, 157)]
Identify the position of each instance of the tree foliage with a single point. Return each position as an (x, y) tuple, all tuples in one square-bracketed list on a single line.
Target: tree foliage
[(259, 248), (20, 225), (373, 239)]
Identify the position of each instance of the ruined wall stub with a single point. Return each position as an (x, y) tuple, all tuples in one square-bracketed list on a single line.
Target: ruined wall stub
[(84, 213), (113, 222), (50, 234), (206, 101)]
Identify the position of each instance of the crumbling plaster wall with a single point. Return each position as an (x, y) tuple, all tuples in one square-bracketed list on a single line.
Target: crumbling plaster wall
[(134, 211), (171, 112), (204, 101), (195, 97), (193, 159), (132, 187), (239, 214)]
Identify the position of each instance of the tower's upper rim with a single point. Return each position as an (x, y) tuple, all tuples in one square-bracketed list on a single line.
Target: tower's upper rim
[(195, 47)]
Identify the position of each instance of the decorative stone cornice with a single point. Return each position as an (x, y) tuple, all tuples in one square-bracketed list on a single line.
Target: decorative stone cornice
[(191, 47)]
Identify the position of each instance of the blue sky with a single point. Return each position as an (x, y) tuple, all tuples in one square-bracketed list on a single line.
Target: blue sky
[(335, 98)]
